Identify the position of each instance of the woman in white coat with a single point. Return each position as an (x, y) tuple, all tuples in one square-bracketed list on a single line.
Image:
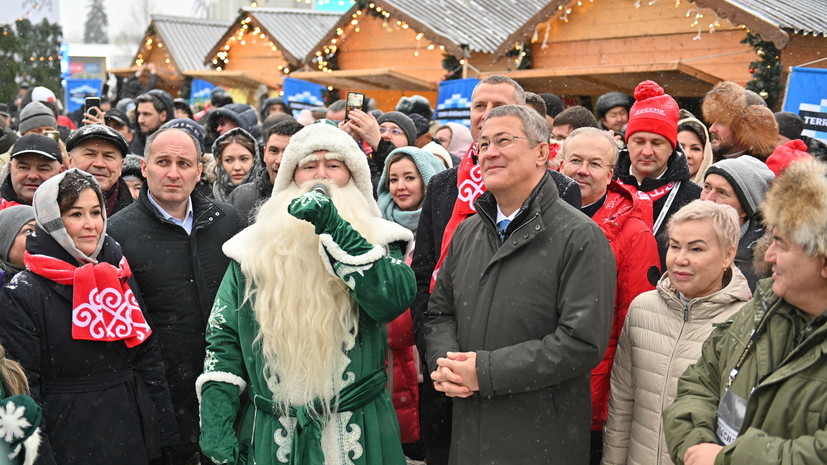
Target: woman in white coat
[(666, 327)]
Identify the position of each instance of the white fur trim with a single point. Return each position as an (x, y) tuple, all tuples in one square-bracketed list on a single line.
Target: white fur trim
[(32, 446), (239, 245), (341, 256), (221, 377), (326, 261), (387, 232)]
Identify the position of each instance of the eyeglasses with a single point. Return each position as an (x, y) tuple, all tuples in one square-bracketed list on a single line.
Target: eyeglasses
[(591, 166), (394, 131), (501, 141)]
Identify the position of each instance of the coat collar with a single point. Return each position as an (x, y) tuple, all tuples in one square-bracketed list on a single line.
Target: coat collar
[(204, 210)]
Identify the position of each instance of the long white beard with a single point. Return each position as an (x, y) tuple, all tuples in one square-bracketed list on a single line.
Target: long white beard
[(305, 313)]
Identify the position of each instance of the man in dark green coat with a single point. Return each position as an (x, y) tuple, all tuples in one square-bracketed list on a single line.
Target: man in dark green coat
[(521, 310), (758, 394)]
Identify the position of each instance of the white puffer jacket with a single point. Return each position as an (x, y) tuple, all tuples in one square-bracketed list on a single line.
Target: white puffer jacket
[(660, 339)]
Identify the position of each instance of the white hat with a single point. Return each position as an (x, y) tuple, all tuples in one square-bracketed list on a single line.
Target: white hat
[(339, 145)]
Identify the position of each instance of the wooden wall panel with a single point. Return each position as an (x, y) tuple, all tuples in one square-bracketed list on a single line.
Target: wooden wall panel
[(374, 46), (257, 60)]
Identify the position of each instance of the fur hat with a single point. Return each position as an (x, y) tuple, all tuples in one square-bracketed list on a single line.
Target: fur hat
[(339, 145), (654, 111), (753, 126), (797, 204), (608, 101)]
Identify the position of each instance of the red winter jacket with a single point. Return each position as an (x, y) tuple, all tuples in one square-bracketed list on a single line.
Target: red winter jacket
[(405, 393), (626, 220)]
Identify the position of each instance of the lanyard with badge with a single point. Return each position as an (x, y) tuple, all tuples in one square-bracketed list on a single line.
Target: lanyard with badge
[(732, 408)]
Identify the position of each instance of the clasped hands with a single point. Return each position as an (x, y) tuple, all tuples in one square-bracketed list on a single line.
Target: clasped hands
[(456, 374)]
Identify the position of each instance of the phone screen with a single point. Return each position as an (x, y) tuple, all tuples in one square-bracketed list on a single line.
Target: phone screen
[(355, 100)]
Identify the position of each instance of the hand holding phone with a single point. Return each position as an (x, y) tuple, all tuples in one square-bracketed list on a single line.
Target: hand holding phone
[(92, 106)]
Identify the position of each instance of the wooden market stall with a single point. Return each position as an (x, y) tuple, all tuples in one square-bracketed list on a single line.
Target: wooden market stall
[(263, 46), (176, 46), (589, 47), (393, 48)]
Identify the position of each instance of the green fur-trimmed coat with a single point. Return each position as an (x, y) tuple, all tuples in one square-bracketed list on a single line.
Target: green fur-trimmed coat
[(232, 432)]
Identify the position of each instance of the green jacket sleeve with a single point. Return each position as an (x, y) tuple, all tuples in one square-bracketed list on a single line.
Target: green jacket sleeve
[(755, 447), (692, 417), (379, 281), (224, 376)]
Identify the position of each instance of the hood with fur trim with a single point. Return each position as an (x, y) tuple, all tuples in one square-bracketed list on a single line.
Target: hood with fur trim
[(338, 144), (753, 126), (797, 204)]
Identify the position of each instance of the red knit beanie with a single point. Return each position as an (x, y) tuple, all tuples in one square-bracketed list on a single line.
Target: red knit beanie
[(786, 154), (653, 111)]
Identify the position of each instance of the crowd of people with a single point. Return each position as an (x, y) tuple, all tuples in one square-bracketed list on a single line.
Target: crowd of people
[(623, 284)]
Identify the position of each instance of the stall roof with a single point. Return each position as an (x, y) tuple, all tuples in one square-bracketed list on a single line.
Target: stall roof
[(294, 31), (678, 79), (367, 79), (188, 39)]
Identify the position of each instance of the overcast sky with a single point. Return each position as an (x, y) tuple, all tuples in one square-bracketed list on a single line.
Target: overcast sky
[(121, 14)]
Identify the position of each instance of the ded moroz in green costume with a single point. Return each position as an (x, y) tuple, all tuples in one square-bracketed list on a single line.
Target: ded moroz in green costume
[(272, 302)]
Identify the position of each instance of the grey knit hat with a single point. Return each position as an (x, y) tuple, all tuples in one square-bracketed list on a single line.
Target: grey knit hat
[(36, 115), (403, 121), (12, 219), (749, 177)]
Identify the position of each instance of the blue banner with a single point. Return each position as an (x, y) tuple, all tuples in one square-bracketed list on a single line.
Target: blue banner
[(78, 89), (302, 94), (807, 98), (454, 101), (200, 93)]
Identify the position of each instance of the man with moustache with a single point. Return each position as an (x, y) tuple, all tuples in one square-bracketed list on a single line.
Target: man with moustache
[(298, 322), (100, 151), (172, 237), (246, 198), (741, 123)]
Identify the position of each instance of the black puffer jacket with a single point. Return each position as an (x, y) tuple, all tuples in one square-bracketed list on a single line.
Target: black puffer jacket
[(179, 276), (246, 198), (676, 170), (103, 402)]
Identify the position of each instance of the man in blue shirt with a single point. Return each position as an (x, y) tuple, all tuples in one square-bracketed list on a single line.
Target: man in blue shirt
[(172, 237)]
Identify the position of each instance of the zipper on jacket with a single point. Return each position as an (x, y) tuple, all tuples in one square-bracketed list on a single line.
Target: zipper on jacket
[(666, 377)]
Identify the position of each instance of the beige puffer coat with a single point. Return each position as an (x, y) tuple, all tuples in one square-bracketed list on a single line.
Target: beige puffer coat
[(660, 339)]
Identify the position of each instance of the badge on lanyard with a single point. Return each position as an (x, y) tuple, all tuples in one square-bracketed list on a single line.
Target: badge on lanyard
[(731, 411)]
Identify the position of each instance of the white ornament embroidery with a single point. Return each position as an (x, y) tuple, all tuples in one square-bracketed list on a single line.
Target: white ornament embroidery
[(283, 437), (210, 360), (345, 270), (13, 422), (350, 434), (109, 301), (217, 318), (471, 188)]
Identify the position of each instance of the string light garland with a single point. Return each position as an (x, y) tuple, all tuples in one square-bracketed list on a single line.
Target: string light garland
[(245, 32), (325, 58)]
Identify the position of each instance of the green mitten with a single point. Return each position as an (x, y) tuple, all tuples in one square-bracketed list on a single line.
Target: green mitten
[(219, 406), (319, 210), (19, 418)]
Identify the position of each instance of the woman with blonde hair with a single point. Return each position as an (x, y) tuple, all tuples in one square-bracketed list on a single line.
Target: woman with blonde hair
[(666, 327)]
